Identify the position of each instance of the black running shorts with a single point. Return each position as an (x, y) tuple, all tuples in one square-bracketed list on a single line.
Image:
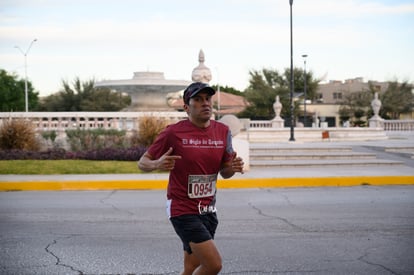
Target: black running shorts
[(195, 228)]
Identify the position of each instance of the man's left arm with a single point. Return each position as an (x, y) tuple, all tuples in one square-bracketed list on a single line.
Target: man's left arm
[(231, 167)]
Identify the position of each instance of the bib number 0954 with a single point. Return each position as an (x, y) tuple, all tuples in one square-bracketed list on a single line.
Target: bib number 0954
[(200, 186)]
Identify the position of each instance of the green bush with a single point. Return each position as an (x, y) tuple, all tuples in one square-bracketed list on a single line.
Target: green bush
[(95, 139), (18, 134), (49, 135)]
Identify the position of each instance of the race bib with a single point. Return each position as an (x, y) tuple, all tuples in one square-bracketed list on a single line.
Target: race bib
[(201, 186)]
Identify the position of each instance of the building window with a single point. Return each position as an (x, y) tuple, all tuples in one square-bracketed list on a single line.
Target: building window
[(319, 98), (337, 95)]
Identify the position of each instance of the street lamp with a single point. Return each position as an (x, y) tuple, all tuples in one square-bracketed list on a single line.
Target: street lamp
[(304, 87), (26, 97), (218, 94), (292, 135)]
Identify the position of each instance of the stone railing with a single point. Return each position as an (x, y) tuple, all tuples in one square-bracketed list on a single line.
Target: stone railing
[(398, 125), (388, 125), (260, 124), (60, 121)]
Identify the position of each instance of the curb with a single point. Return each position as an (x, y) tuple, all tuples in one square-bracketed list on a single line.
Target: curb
[(224, 184)]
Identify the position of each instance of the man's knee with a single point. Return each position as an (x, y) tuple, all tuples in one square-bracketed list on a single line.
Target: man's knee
[(208, 256), (212, 268), (189, 268), (216, 267), (191, 263)]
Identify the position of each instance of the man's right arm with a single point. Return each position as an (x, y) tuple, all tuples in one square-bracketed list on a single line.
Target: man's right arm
[(165, 162), (147, 164)]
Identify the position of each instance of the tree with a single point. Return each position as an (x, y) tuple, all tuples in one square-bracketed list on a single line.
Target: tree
[(227, 89), (355, 106), (396, 100), (82, 96), (345, 113), (299, 82), (12, 93), (265, 85), (260, 94), (103, 99)]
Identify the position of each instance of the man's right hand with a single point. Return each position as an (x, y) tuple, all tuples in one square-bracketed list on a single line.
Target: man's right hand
[(167, 161)]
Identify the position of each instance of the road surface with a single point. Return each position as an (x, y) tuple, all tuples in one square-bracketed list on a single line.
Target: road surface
[(341, 230)]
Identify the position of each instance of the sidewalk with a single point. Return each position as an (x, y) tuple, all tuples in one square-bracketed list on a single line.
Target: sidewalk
[(254, 178)]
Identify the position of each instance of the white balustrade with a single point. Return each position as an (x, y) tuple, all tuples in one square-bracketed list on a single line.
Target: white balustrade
[(60, 121), (388, 125), (260, 124), (398, 125)]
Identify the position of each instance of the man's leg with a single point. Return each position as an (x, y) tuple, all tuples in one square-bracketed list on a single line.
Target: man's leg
[(190, 263), (208, 257)]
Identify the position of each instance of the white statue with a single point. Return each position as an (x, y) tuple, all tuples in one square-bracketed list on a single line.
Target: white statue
[(277, 122), (376, 121), (201, 73), (277, 107), (376, 105), (316, 120)]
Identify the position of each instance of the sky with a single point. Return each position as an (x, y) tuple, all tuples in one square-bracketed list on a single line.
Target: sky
[(110, 40)]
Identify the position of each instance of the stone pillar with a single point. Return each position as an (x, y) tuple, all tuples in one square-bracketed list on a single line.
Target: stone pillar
[(86, 122), (105, 123), (49, 123)]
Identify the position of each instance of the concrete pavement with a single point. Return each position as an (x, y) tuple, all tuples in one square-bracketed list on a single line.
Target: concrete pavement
[(323, 231)]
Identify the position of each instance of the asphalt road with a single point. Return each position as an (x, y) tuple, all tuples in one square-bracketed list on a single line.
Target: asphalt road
[(353, 230)]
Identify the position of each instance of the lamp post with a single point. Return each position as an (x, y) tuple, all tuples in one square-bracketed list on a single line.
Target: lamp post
[(304, 88), (292, 134), (26, 97), (218, 94)]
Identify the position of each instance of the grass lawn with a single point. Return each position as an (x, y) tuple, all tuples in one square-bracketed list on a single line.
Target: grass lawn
[(51, 167)]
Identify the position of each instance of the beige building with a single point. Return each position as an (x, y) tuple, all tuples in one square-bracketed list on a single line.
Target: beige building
[(335, 91), (330, 96)]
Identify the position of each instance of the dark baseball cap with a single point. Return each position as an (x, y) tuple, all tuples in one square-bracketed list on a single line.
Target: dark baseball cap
[(194, 88)]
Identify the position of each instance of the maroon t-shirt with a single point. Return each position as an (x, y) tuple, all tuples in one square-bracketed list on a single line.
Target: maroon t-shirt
[(192, 182)]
